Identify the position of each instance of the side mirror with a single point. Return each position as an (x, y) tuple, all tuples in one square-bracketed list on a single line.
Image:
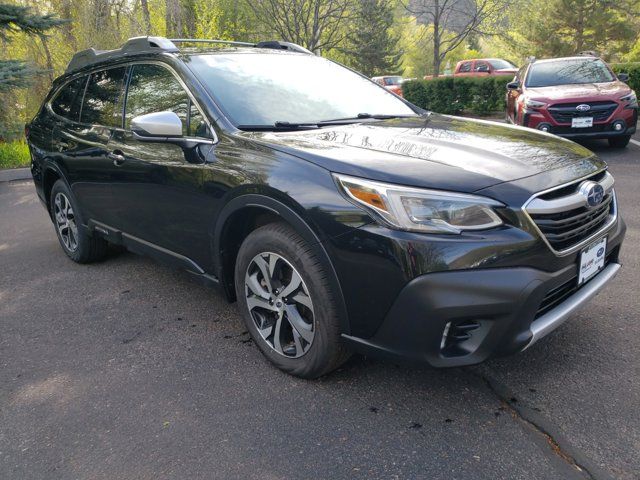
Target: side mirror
[(623, 77), (157, 127), (513, 85)]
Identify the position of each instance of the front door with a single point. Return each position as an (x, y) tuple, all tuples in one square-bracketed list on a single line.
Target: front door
[(157, 191)]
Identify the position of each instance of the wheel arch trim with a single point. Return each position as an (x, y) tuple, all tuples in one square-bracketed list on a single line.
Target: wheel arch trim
[(290, 216)]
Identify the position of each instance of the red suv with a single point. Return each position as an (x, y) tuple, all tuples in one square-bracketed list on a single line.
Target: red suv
[(575, 97)]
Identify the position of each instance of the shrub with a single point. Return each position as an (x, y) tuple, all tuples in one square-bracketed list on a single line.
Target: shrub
[(454, 95), (14, 154), (633, 69)]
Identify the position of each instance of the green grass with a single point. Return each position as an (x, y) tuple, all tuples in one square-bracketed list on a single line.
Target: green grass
[(14, 155)]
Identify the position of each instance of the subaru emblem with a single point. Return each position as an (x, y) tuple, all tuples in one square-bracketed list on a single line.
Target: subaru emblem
[(600, 252), (592, 192), (583, 107)]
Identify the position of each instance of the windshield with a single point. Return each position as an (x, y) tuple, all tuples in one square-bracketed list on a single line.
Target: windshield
[(260, 89), (499, 64), (567, 72)]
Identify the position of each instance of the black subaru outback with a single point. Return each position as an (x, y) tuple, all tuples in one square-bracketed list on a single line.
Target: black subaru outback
[(338, 215)]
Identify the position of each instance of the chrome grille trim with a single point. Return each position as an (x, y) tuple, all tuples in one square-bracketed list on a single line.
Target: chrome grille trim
[(538, 206), (569, 202)]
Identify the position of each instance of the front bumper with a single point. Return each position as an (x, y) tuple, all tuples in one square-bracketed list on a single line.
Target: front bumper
[(601, 129), (463, 317)]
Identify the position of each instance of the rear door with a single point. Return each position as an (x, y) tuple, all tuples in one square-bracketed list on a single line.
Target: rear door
[(158, 193), (81, 141)]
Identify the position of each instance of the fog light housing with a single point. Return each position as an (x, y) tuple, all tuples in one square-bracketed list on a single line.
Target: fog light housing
[(545, 127), (618, 125)]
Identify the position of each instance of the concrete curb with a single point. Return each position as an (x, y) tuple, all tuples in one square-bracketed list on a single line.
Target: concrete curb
[(15, 174)]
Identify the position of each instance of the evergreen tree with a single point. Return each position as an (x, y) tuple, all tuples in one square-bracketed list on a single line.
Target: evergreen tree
[(372, 47), (19, 19)]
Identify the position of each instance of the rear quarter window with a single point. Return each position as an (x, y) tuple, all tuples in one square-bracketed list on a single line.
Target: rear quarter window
[(101, 104), (67, 101), (465, 67)]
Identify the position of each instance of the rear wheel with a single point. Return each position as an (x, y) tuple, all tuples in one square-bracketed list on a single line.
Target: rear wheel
[(286, 302), (75, 240), (619, 142)]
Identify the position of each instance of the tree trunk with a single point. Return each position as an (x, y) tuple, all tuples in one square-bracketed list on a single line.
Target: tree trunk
[(580, 29), (47, 53), (146, 16)]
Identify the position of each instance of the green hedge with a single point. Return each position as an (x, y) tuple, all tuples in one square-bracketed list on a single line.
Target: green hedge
[(633, 69), (14, 154), (454, 95)]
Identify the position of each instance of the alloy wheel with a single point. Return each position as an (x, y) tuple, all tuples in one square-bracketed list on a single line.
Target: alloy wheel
[(280, 305), (66, 221)]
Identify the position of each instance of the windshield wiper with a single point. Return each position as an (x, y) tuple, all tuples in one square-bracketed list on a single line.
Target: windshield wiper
[(284, 125), (363, 116), (278, 125)]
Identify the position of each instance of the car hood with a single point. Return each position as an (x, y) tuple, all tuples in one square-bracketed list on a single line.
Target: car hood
[(577, 93), (437, 151)]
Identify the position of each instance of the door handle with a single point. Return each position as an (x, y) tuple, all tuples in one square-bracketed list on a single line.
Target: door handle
[(117, 157)]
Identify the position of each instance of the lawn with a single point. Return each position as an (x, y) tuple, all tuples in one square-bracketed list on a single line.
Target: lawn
[(14, 155)]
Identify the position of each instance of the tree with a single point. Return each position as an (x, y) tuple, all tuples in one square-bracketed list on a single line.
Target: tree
[(15, 73), (453, 21), (372, 45), (314, 24), (546, 28)]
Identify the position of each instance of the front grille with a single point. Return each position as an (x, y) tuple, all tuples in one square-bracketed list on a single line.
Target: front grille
[(564, 229), (565, 112), (560, 293), (563, 217)]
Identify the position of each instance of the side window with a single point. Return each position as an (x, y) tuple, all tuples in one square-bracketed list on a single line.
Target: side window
[(67, 101), (101, 104), (482, 67), (197, 125), (465, 67), (153, 88)]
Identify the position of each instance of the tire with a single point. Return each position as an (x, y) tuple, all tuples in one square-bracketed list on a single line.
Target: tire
[(619, 142), (313, 346), (75, 240)]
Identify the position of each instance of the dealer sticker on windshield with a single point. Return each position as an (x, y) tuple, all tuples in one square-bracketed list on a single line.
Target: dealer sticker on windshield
[(592, 260), (582, 122)]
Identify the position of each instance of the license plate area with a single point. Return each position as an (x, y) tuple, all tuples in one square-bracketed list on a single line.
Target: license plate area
[(592, 260), (582, 122)]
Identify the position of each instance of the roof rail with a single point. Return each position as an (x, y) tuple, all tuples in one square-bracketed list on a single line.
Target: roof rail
[(206, 40), (132, 46), (139, 45), (274, 44)]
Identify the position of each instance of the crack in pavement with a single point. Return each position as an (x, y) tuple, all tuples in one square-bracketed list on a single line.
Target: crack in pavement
[(542, 427)]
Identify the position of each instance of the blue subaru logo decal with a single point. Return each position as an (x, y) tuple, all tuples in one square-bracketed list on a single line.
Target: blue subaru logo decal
[(600, 252), (593, 193)]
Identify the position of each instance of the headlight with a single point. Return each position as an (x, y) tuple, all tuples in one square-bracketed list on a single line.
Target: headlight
[(528, 103), (421, 210), (631, 98)]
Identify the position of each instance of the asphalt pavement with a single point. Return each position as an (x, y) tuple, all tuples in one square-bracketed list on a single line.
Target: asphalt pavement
[(126, 369)]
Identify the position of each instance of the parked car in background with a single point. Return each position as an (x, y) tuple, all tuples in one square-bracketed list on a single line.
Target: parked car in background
[(575, 97), (482, 67), (393, 83)]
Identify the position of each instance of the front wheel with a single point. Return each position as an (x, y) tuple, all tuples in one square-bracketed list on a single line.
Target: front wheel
[(619, 142), (287, 303)]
